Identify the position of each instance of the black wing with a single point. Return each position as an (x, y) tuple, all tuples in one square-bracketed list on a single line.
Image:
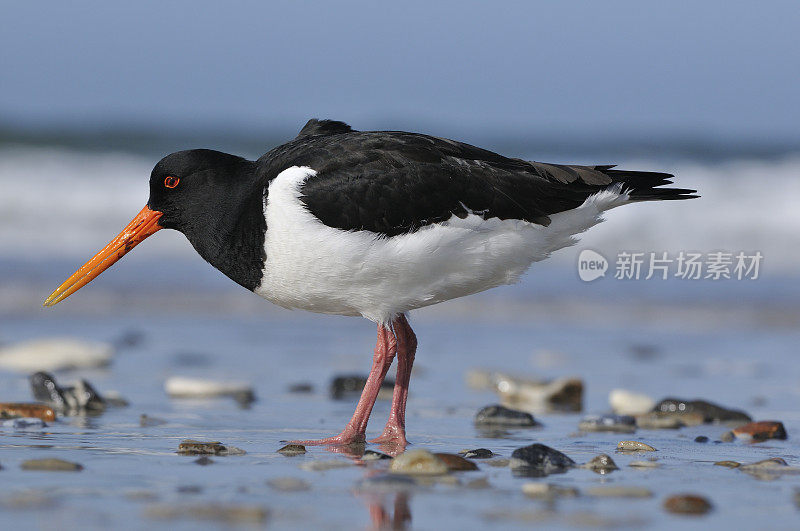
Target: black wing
[(391, 182)]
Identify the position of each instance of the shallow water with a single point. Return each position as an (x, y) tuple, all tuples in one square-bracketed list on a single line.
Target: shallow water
[(742, 367)]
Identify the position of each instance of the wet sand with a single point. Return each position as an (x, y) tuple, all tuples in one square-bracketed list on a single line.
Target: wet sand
[(133, 477)]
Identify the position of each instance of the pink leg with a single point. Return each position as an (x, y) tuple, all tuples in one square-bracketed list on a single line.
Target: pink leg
[(395, 430), (385, 349)]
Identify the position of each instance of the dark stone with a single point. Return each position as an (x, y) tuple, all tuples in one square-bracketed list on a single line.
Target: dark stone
[(479, 453), (292, 449), (502, 416), (701, 439), (345, 386), (72, 400), (710, 412), (538, 460), (602, 464), (192, 447), (372, 455), (301, 388)]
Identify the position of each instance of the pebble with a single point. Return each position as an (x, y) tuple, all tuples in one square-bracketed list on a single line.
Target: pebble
[(183, 387), (192, 447), (372, 455), (56, 354), (548, 491), (350, 385), (289, 484), (656, 420), (761, 431), (608, 423), (539, 460), (727, 437), (23, 423), (327, 464), (301, 388), (418, 462), (228, 514), (456, 463), (619, 491), (563, 394), (769, 469), (634, 446), (146, 421), (77, 399), (625, 402), (501, 416), (51, 464), (710, 412), (728, 464), (478, 453), (292, 449), (644, 464), (602, 464), (701, 439), (25, 410), (687, 504)]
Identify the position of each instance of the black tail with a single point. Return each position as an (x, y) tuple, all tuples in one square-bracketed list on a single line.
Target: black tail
[(643, 185)]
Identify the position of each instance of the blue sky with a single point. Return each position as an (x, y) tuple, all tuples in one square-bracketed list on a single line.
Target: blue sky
[(719, 68)]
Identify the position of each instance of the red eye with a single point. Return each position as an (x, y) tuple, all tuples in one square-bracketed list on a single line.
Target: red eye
[(171, 182)]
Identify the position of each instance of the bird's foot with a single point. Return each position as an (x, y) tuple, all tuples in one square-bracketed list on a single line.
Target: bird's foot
[(346, 438), (393, 434)]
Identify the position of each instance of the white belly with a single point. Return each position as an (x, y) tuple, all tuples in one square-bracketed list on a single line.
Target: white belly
[(314, 267)]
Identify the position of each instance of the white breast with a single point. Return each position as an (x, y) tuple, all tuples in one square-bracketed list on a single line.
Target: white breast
[(322, 269)]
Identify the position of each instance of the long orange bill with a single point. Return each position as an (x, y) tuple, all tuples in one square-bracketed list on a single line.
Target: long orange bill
[(143, 225)]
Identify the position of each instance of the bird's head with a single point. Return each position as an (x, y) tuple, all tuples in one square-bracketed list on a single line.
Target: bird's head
[(187, 189)]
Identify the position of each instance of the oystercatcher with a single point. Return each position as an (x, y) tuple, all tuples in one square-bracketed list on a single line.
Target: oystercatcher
[(373, 224)]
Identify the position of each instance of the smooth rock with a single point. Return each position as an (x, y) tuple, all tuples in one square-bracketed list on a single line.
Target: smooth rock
[(634, 446), (192, 447), (350, 385), (728, 464), (292, 449), (625, 402), (602, 464), (701, 439), (55, 354), (656, 420), (644, 464), (146, 421), (769, 469), (301, 388), (548, 491), (619, 491), (563, 394), (24, 410), (372, 455), (183, 387), (228, 514), (538, 460), (608, 423), (687, 504), (289, 484), (761, 431), (478, 453), (456, 463), (326, 464), (23, 423), (710, 412), (501, 416), (418, 462), (51, 464), (728, 436)]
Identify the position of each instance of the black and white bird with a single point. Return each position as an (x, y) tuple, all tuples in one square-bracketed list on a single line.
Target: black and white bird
[(373, 224)]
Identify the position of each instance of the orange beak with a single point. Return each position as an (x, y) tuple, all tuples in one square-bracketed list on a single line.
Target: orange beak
[(142, 226)]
